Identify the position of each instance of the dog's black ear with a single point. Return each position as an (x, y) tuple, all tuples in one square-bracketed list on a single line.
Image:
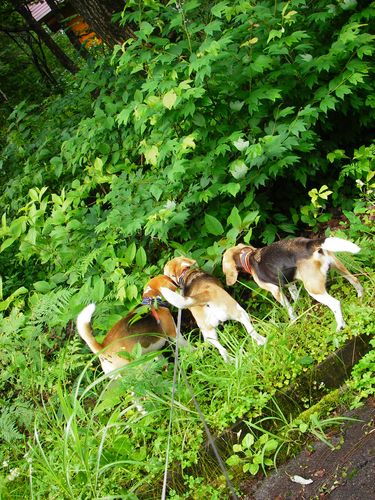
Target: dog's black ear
[(229, 265)]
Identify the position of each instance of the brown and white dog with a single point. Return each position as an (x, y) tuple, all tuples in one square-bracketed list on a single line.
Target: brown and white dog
[(284, 261), (151, 331), (208, 302)]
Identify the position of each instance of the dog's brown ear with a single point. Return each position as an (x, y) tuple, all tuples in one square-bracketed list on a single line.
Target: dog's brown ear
[(229, 265), (186, 262), (174, 267)]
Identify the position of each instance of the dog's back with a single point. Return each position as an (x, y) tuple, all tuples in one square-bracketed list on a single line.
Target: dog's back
[(197, 281), (277, 263)]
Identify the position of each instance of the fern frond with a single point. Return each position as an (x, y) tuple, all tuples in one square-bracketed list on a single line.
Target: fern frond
[(50, 307), (8, 426)]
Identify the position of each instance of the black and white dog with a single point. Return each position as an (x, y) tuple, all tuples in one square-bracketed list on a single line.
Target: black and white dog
[(285, 261)]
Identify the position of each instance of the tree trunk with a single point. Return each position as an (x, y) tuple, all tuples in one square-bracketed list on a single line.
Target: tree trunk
[(98, 15), (51, 44), (69, 32)]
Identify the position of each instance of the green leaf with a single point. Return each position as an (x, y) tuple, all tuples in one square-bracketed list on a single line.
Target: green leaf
[(130, 253), (218, 9), (141, 257), (328, 102), (156, 191), (238, 169), (248, 440), (271, 445), (6, 303), (274, 34), (151, 155), (42, 286), (213, 226), (169, 99), (306, 360), (237, 448), (233, 460), (303, 427), (99, 289), (7, 243), (132, 292), (342, 91), (234, 218), (146, 28), (232, 188), (253, 469)]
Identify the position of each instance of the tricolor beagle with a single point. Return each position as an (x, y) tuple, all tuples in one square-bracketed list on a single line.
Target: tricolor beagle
[(208, 302), (151, 330), (293, 259)]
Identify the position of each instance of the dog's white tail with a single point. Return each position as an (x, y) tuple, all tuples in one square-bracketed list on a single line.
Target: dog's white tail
[(85, 330), (176, 299), (335, 244)]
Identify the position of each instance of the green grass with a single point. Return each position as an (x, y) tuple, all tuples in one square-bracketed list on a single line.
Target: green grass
[(88, 440)]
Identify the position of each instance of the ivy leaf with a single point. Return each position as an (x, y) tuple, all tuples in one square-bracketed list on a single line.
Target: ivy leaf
[(328, 102), (188, 142), (342, 91), (240, 144), (146, 28), (232, 188), (169, 99), (151, 155), (212, 225), (236, 105), (238, 169), (218, 9)]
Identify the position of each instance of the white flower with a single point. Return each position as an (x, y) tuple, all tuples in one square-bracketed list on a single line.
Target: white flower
[(5, 463), (170, 205), (359, 183), (13, 474)]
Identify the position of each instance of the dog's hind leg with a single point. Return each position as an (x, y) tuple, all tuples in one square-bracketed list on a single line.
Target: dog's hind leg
[(333, 304), (335, 262), (210, 336), (207, 327), (279, 296)]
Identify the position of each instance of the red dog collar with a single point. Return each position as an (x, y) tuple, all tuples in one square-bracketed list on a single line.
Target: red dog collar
[(245, 260)]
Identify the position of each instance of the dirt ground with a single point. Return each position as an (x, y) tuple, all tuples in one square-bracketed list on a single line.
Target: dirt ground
[(344, 473)]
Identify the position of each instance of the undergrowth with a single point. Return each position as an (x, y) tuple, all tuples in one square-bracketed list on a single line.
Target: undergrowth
[(71, 432)]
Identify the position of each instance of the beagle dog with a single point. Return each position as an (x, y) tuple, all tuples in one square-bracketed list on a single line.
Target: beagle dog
[(208, 302), (151, 330), (284, 261)]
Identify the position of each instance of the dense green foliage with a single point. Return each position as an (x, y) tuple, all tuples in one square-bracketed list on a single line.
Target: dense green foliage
[(222, 122)]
